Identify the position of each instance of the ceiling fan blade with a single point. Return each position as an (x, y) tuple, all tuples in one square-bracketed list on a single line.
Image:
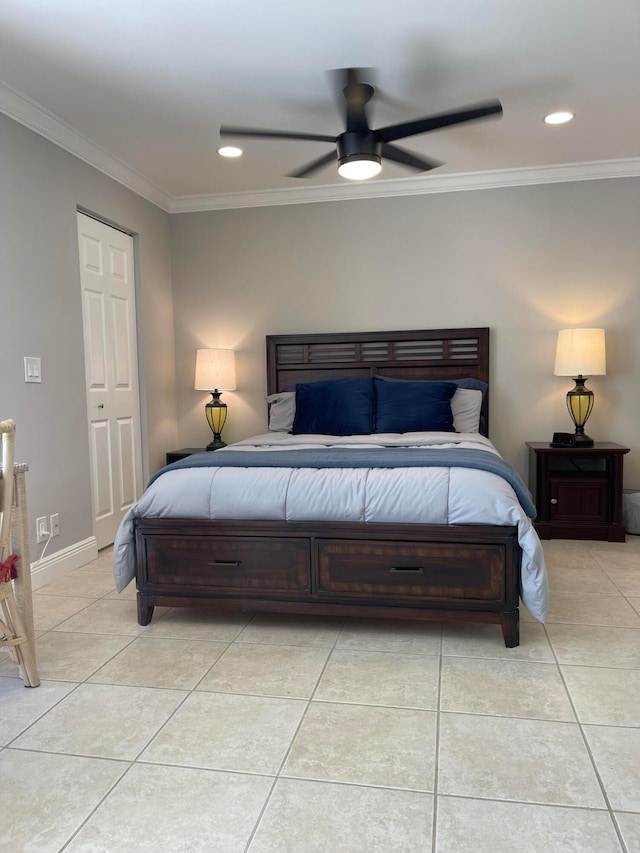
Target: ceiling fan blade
[(434, 122), (314, 166), (407, 158), (227, 130)]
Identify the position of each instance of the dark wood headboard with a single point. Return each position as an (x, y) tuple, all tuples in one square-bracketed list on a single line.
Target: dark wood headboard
[(431, 354)]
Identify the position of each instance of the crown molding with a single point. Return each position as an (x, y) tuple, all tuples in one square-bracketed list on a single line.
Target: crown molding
[(36, 118), (422, 185)]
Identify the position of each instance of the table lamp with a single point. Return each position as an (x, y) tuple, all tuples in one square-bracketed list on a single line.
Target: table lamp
[(215, 369), (580, 353)]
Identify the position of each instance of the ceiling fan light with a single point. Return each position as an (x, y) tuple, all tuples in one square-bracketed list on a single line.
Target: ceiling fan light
[(360, 168), (230, 151)]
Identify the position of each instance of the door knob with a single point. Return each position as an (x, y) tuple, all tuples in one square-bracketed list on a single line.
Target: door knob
[(554, 500)]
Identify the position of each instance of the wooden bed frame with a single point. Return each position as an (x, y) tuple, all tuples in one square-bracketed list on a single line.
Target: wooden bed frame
[(467, 573)]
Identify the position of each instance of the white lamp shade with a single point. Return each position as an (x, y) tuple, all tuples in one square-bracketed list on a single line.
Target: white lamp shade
[(580, 352), (215, 368)]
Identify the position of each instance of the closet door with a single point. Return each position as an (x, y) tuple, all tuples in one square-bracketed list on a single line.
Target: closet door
[(111, 370)]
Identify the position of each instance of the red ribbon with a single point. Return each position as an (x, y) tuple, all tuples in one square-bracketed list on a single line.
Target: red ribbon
[(8, 571)]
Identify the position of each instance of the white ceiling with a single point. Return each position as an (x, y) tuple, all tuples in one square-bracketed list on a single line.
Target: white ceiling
[(141, 87)]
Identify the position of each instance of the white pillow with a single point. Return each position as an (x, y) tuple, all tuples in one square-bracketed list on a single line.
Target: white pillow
[(282, 411), (465, 407)]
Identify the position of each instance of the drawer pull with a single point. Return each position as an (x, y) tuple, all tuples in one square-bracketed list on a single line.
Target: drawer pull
[(225, 563), (414, 570), (554, 501)]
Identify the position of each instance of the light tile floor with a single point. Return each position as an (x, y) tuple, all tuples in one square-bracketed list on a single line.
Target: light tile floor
[(264, 733)]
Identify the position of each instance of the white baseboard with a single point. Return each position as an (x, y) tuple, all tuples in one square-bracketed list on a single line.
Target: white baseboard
[(62, 562)]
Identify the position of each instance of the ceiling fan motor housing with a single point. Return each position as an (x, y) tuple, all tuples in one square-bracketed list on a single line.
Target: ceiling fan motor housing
[(357, 145)]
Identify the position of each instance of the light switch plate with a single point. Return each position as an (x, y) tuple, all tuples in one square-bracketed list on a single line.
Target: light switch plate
[(32, 371)]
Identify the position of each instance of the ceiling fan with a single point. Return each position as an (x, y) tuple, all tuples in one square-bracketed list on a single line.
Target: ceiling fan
[(359, 149)]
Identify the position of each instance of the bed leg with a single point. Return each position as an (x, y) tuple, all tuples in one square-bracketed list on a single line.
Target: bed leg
[(145, 610), (510, 623)]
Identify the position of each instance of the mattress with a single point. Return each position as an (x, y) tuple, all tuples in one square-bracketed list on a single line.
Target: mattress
[(430, 494)]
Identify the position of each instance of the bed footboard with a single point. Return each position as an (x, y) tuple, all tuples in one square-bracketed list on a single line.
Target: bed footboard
[(436, 572)]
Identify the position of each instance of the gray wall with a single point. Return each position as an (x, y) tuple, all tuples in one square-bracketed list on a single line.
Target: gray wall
[(40, 315), (525, 261)]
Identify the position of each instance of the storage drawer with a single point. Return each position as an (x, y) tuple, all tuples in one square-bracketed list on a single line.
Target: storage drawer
[(415, 570), (227, 563)]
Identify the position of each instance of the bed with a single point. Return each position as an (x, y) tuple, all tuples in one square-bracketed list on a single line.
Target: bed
[(291, 523)]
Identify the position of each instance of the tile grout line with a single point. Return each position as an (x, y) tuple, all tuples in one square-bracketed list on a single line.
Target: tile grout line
[(588, 749), (78, 684), (136, 760), (436, 754), (612, 579), (187, 692), (85, 681), (102, 800), (290, 747), (44, 714)]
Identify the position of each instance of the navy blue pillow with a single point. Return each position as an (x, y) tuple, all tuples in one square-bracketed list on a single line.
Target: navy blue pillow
[(413, 406), (334, 407), (467, 382)]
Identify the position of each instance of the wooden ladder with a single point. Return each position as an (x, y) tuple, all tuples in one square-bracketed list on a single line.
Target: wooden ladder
[(16, 603)]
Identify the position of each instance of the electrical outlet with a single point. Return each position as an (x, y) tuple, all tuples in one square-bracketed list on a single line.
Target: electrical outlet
[(42, 532), (55, 524)]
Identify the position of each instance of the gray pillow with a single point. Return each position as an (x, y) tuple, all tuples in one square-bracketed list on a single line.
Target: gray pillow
[(282, 411)]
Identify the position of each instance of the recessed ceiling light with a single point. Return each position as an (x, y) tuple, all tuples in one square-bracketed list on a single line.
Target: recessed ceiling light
[(559, 118), (230, 151)]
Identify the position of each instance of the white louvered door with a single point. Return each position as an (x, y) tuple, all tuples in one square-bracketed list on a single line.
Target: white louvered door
[(111, 370)]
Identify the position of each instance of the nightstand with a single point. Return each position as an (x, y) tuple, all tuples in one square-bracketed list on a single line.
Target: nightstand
[(174, 455), (577, 491)]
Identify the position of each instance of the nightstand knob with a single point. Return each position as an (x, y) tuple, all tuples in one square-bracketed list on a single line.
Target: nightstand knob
[(554, 501)]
